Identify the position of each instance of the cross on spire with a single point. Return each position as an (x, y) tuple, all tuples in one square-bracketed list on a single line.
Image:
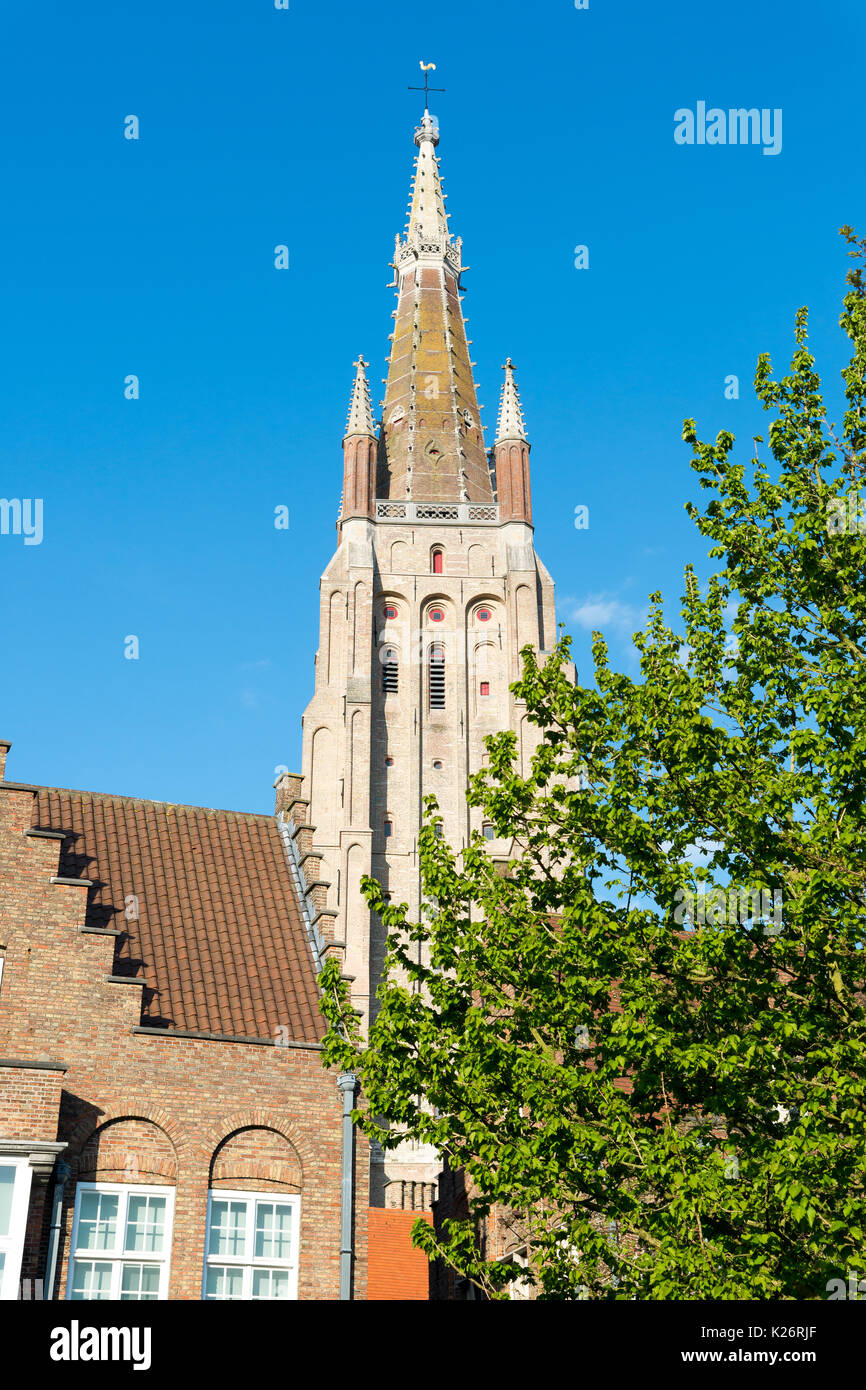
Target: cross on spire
[(426, 68)]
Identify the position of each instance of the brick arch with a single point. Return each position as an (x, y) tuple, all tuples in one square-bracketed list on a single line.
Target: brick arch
[(484, 657), (128, 1148), (128, 1108), (260, 1118), (386, 596), (256, 1158), (482, 600)]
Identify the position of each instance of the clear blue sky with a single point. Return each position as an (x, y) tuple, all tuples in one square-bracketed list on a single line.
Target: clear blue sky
[(261, 127)]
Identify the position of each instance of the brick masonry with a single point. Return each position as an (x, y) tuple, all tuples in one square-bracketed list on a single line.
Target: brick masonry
[(151, 1107)]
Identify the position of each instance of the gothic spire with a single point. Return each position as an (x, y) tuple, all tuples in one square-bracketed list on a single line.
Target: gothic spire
[(510, 424), (428, 219), (431, 446), (359, 451), (360, 409)]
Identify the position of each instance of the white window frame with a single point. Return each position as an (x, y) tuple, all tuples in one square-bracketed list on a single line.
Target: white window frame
[(249, 1263), (12, 1245), (119, 1257), (520, 1289)]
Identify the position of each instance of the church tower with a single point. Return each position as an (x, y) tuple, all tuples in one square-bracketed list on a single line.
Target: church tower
[(433, 589)]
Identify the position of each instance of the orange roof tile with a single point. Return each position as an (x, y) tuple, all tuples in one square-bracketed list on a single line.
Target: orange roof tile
[(219, 937)]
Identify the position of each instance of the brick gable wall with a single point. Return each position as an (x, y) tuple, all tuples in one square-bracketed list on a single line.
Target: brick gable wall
[(146, 1106)]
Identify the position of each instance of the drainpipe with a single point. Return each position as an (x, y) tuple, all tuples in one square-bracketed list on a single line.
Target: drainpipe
[(62, 1173), (347, 1082)]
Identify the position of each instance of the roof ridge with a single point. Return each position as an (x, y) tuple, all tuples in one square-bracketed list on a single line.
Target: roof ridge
[(151, 801)]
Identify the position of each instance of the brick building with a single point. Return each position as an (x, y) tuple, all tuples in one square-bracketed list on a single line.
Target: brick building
[(166, 1127)]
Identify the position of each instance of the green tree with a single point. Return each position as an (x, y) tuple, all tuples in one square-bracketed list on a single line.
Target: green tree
[(658, 1075)]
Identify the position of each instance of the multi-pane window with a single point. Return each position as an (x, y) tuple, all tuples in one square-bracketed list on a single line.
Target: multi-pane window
[(121, 1242), (252, 1246), (15, 1179), (484, 688), (488, 831), (437, 676)]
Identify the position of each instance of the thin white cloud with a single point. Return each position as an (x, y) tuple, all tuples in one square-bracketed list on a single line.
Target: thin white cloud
[(699, 852), (604, 612)]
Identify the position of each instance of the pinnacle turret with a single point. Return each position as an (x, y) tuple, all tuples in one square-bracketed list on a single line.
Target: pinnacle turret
[(510, 424), (360, 409)]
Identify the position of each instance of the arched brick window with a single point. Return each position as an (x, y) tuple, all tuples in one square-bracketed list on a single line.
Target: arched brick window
[(253, 1218), (120, 1244)]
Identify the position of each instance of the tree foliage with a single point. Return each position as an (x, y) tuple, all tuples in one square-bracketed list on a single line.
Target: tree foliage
[(656, 1076)]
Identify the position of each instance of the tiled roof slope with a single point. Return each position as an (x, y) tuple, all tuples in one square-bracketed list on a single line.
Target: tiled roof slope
[(219, 937), (396, 1270)]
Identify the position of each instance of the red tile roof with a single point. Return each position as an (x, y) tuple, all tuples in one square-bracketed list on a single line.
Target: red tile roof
[(219, 937), (396, 1270)]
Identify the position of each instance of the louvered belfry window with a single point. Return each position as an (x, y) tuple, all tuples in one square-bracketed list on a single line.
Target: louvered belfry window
[(437, 676), (390, 671)]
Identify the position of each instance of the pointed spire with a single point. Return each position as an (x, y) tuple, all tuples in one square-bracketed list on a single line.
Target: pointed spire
[(510, 424), (428, 220), (432, 446), (360, 410)]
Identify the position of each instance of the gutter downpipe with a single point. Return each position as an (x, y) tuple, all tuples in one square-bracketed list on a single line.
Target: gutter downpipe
[(347, 1082), (62, 1173)]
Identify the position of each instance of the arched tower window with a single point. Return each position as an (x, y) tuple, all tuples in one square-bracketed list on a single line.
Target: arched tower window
[(436, 559), (437, 676), (390, 671)]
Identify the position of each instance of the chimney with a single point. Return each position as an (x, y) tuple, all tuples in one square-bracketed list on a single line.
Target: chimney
[(5, 745)]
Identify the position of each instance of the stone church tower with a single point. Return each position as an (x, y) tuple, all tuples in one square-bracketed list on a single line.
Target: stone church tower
[(433, 589)]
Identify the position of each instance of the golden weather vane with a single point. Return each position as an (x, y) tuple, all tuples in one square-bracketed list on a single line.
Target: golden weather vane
[(426, 68)]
